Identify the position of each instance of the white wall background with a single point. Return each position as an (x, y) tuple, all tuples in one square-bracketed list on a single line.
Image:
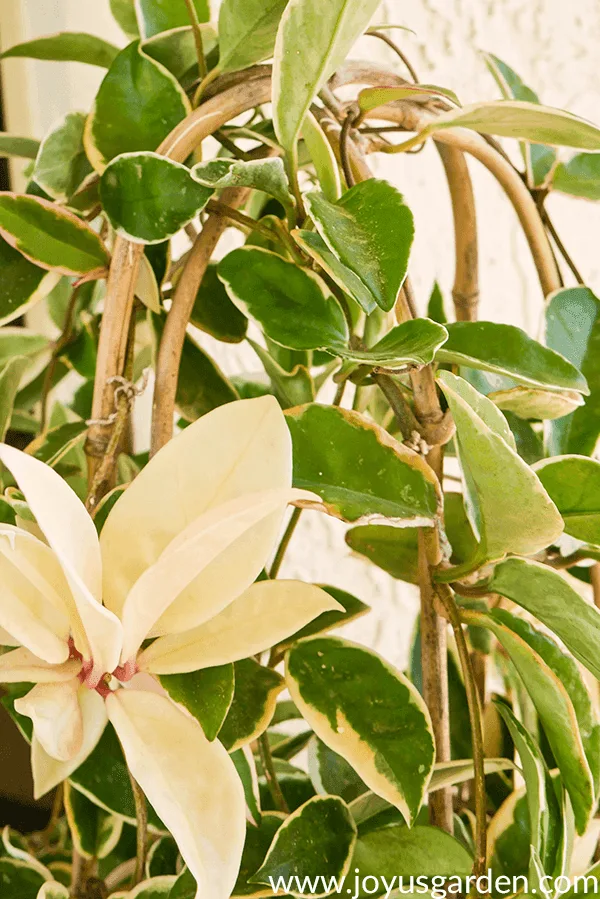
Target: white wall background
[(554, 48)]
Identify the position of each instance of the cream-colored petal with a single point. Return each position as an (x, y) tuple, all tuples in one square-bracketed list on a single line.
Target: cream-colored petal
[(242, 447), (60, 514), (268, 612), (7, 639), (192, 784), (48, 771), (103, 630), (237, 525), (21, 667), (57, 719)]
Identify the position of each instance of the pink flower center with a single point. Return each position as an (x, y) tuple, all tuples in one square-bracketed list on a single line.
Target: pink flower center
[(101, 683)]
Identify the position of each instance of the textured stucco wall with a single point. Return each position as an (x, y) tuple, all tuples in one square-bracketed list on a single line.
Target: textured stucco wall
[(554, 48)]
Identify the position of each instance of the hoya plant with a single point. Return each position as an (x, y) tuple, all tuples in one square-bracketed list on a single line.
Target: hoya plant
[(202, 726)]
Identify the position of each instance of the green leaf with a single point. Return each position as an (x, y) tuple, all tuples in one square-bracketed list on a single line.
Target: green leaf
[(10, 379), (292, 305), (573, 329), (258, 840), (395, 550), (267, 175), (369, 713), (176, 51), (154, 888), (214, 312), (138, 105), (156, 16), (317, 249), (522, 120), (292, 388), (15, 341), (317, 839), (247, 32), (331, 774), (246, 769), (295, 785), (67, 46), (508, 350), (61, 164), (494, 475), (357, 469), (134, 188), (184, 887), (435, 307), (458, 528), (202, 386), (206, 694), (395, 851), (19, 880), (353, 609), (573, 484), (373, 97), (579, 177), (95, 833), (50, 236), (370, 230), (312, 41), (11, 145), (123, 12), (253, 706), (546, 672), (550, 597), (53, 890), (323, 158), (22, 284), (413, 343), (533, 403)]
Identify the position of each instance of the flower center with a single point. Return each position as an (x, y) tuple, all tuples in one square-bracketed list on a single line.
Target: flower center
[(104, 683)]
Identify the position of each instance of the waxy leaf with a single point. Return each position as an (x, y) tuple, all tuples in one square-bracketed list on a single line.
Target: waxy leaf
[(259, 837), (22, 284), (156, 16), (573, 484), (124, 14), (253, 706), (508, 350), (370, 230), (20, 880), (11, 145), (395, 550), (579, 177), (573, 329), (293, 306), (372, 97), (323, 158), (95, 832), (202, 386), (292, 388), (247, 32), (176, 51), (317, 839), (533, 403), (50, 236), (312, 41), (214, 312), (543, 668), (245, 766), (10, 379), (267, 175), (523, 120), (413, 343), (206, 694), (353, 608), (61, 164), (68, 46), (553, 600), (138, 105), (154, 888), (149, 198), (369, 713), (494, 475), (331, 774), (314, 245), (53, 890), (357, 469)]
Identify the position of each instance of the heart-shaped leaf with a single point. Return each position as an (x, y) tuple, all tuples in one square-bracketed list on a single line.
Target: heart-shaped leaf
[(358, 470), (50, 236), (61, 164), (369, 713), (11, 145), (573, 484), (370, 230), (68, 46), (149, 198), (508, 350), (138, 105), (247, 32), (267, 175), (292, 304), (206, 694), (156, 16)]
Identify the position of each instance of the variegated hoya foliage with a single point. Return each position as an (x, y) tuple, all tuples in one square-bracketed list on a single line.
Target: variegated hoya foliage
[(205, 729)]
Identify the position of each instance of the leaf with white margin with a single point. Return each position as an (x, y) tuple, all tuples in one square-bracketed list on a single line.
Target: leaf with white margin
[(61, 164), (155, 888), (148, 608), (239, 448), (267, 175), (22, 666), (367, 712), (267, 613), (48, 772), (494, 476), (70, 532), (53, 890), (192, 784), (531, 402)]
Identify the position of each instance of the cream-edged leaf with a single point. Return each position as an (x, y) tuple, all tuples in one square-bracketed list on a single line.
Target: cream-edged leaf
[(22, 666), (267, 613), (242, 447), (57, 718), (48, 772), (192, 784), (53, 890)]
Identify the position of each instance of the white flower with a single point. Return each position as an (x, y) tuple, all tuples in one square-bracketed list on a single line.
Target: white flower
[(177, 561)]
